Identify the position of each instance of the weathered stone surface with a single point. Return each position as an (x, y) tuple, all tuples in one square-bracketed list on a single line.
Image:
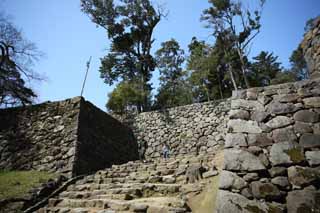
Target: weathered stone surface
[(282, 182), (300, 127), (303, 201), (286, 153), (229, 180), (261, 140), (312, 102), (316, 128), (231, 202), (313, 158), (266, 191), (239, 160), (279, 121), (247, 105), (195, 128), (251, 176), (241, 126), (280, 108), (306, 116), (210, 173), (285, 98), (284, 135), (310, 140), (252, 93), (239, 114), (303, 176), (235, 140), (259, 116), (278, 171)]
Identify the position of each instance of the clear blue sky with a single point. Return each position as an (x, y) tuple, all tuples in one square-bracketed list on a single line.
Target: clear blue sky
[(68, 38)]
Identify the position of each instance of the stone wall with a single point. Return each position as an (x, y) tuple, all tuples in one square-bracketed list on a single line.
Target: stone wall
[(272, 150), (70, 137), (102, 141), (193, 128), (311, 49)]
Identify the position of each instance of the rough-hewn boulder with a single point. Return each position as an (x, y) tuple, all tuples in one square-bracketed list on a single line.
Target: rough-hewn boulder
[(239, 160)]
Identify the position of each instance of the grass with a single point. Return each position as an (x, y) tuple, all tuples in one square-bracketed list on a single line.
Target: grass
[(16, 184)]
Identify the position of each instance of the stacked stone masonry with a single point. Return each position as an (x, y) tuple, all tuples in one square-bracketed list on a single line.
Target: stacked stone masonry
[(70, 137), (196, 128), (272, 150), (311, 49)]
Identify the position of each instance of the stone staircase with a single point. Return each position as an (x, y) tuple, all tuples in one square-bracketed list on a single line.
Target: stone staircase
[(154, 186)]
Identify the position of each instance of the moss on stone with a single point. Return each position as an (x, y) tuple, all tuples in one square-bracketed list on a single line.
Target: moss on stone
[(266, 189), (253, 209), (295, 154)]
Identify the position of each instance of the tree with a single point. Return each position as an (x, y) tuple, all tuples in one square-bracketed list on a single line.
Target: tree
[(130, 25), (210, 74), (173, 90), (228, 17), (125, 98), (264, 68), (198, 66), (16, 60), (284, 76), (299, 65), (310, 24)]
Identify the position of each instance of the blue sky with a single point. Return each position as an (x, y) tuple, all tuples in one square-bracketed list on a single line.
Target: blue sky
[(68, 38)]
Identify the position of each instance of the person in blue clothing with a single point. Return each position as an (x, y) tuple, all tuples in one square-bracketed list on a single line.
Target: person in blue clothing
[(165, 151)]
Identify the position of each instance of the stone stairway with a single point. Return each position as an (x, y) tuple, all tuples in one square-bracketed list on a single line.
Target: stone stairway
[(154, 186)]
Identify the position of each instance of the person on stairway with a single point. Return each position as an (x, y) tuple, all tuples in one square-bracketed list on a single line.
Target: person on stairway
[(165, 151), (142, 147)]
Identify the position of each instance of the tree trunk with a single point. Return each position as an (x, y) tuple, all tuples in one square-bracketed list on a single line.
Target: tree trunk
[(232, 77), (243, 69)]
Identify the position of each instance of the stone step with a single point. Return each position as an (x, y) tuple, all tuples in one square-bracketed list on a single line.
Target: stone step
[(135, 190), (171, 204)]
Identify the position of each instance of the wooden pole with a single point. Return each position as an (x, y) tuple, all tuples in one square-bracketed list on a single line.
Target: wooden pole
[(85, 78)]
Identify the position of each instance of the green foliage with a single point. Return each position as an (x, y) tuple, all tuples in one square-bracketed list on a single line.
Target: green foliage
[(222, 16), (310, 24), (126, 97), (284, 77), (299, 65), (14, 184), (130, 25), (16, 59), (264, 68), (209, 71), (173, 91), (199, 65)]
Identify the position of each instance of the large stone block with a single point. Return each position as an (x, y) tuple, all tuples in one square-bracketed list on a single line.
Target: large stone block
[(239, 114), (286, 153), (266, 191), (310, 140), (279, 121), (235, 140), (313, 158), (228, 202), (280, 108), (303, 176), (240, 160), (241, 126), (303, 201), (306, 116), (247, 105), (230, 180), (260, 140), (284, 135), (312, 102)]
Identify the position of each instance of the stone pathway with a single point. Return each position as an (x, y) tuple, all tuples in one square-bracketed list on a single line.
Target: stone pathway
[(155, 186)]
